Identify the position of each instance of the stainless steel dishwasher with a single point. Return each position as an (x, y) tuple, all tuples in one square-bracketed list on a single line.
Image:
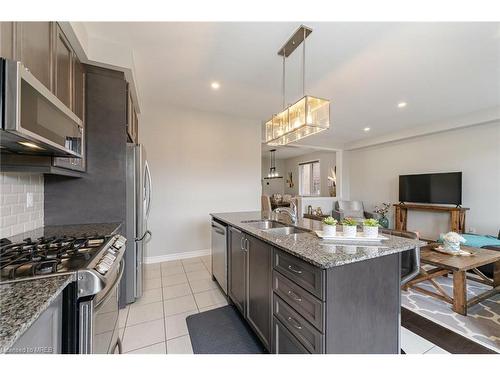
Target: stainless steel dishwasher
[(219, 254)]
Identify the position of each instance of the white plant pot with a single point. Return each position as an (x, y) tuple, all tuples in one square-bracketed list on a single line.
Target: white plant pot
[(349, 230), (371, 232), (329, 230)]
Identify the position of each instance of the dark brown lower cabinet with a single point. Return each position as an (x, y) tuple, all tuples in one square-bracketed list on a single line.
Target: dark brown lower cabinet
[(284, 342), (259, 255), (237, 269), (349, 309)]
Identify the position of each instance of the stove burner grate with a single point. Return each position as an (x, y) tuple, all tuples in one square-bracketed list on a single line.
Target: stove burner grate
[(45, 255)]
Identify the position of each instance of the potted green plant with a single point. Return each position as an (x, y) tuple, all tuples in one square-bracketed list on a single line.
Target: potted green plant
[(329, 227), (370, 228), (349, 227)]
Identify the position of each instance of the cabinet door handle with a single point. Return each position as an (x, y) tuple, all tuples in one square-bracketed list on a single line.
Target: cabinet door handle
[(294, 270), (242, 247), (294, 322), (295, 296), (247, 244)]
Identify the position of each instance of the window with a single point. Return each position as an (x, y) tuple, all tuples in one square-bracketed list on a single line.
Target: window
[(309, 179)]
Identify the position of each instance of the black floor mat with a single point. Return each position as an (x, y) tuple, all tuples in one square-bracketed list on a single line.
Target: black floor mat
[(222, 331)]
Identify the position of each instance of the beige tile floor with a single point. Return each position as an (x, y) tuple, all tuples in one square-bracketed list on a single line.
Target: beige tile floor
[(173, 290), (156, 324)]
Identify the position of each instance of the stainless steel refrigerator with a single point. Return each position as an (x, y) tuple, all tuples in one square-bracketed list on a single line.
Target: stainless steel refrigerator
[(139, 195)]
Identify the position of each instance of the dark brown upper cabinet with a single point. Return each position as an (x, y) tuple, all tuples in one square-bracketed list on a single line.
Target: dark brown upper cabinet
[(63, 68), (33, 46), (43, 48)]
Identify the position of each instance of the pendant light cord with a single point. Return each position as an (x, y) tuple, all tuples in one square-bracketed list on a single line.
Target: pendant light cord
[(283, 78), (304, 64)]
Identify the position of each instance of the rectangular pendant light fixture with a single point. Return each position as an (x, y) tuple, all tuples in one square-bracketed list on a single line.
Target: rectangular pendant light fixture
[(310, 115)]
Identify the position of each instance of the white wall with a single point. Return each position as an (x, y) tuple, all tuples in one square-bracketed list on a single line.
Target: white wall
[(326, 161), (200, 163), (15, 216), (373, 174)]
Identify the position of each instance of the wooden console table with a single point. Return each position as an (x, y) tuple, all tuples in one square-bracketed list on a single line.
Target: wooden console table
[(457, 215)]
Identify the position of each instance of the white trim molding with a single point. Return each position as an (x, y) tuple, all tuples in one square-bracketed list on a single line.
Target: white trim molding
[(177, 256)]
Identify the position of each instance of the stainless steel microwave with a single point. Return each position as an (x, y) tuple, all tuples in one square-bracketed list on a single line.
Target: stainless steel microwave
[(34, 120)]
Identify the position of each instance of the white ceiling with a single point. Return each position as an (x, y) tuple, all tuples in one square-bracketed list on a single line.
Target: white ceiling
[(287, 152), (441, 70)]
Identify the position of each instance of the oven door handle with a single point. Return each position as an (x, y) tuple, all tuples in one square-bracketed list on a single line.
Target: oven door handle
[(110, 291)]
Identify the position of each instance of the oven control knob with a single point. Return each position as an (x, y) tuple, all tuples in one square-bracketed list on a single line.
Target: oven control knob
[(120, 241), (112, 251), (102, 268), (106, 262)]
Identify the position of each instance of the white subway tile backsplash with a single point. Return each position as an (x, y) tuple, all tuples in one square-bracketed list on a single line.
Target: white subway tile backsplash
[(15, 216), (8, 199)]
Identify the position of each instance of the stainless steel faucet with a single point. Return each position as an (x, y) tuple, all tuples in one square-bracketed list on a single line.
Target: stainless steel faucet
[(291, 212)]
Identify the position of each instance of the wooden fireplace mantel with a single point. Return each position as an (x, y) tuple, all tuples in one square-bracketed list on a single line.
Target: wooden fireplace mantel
[(457, 215)]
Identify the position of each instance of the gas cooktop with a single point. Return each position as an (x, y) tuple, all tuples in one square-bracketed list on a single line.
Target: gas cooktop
[(47, 255)]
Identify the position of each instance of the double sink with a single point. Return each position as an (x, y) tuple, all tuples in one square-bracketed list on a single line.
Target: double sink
[(275, 227)]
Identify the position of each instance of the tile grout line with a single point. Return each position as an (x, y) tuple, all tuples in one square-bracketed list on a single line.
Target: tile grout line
[(163, 309), (196, 303), (147, 346), (192, 293), (162, 274), (429, 349)]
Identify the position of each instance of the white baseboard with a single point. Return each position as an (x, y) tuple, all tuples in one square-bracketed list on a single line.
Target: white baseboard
[(177, 256)]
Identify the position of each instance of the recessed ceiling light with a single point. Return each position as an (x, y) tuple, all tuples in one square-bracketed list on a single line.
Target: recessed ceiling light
[(366, 129), (402, 104), (31, 145), (215, 85)]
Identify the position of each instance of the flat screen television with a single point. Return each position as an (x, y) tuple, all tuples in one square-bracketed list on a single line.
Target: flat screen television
[(444, 188)]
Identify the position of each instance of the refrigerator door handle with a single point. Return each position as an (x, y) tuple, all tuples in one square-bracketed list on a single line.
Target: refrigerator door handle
[(146, 233), (150, 188)]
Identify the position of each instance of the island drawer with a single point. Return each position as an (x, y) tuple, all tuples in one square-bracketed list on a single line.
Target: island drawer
[(303, 331), (284, 341), (302, 273), (302, 301)]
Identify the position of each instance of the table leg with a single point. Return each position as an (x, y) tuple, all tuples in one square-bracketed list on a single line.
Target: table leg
[(496, 274), (459, 292)]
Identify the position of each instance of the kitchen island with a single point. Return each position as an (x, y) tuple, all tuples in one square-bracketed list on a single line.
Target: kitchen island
[(302, 294)]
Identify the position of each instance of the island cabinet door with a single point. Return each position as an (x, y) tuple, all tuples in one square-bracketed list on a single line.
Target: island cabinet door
[(259, 288), (284, 341), (237, 269)]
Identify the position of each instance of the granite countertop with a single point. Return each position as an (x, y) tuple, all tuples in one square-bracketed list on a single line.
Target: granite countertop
[(70, 230), (309, 247), (21, 304)]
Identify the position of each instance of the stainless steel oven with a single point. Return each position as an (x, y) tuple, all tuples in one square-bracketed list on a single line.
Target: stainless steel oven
[(99, 332), (99, 288), (34, 120)]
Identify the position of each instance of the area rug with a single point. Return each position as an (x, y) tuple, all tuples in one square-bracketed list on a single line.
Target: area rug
[(482, 323), (222, 331)]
